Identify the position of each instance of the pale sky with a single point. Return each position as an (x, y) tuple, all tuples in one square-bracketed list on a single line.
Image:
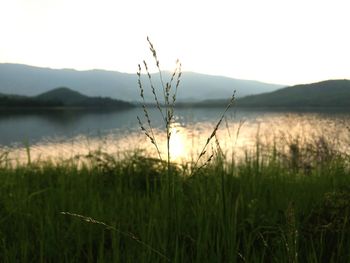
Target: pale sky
[(276, 41)]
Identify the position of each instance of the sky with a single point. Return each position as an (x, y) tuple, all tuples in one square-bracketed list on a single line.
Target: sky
[(276, 41)]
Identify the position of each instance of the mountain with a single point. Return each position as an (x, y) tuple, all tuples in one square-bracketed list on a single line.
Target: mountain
[(31, 81), (330, 93), (62, 97)]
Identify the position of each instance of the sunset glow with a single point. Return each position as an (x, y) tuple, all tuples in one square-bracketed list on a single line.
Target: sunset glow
[(285, 42)]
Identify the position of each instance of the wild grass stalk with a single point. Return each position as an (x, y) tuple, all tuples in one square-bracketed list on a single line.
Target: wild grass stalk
[(195, 168), (170, 89), (148, 132), (112, 228), (27, 147), (169, 99), (4, 157)]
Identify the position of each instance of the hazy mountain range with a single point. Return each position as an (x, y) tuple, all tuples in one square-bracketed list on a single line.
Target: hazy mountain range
[(324, 94), (91, 89), (31, 81), (330, 93)]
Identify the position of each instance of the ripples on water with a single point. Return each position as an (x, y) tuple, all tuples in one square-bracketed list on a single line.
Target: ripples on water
[(236, 136)]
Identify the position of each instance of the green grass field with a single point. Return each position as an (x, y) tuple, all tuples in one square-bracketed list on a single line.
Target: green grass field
[(269, 209)]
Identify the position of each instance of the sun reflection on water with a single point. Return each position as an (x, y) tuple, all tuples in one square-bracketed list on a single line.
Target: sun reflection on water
[(187, 140), (177, 144)]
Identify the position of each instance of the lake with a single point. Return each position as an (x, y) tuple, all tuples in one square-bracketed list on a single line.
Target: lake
[(61, 134)]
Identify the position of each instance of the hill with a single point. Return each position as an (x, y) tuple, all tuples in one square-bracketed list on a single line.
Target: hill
[(31, 81), (330, 93), (61, 97), (64, 95)]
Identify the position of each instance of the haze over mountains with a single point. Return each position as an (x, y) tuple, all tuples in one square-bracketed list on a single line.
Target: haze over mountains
[(31, 81), (195, 89), (323, 94), (329, 93)]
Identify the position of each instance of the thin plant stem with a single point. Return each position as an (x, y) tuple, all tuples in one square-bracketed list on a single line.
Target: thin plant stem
[(202, 153), (127, 234), (154, 53), (169, 106), (150, 134), (153, 90)]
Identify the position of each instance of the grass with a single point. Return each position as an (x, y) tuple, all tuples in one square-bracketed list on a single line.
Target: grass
[(269, 210)]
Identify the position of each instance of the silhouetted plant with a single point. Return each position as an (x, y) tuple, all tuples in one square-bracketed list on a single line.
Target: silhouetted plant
[(169, 98), (166, 108)]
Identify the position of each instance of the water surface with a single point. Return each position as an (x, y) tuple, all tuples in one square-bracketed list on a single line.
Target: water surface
[(68, 133)]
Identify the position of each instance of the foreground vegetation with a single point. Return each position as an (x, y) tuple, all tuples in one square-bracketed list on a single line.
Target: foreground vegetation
[(263, 209)]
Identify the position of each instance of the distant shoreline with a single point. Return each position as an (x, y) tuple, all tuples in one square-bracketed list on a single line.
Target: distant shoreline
[(253, 108), (180, 106), (62, 108)]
